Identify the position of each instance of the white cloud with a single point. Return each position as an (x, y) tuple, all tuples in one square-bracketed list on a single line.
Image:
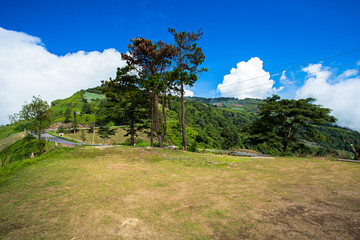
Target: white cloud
[(247, 80), (188, 93), (283, 77), (339, 93), (27, 69)]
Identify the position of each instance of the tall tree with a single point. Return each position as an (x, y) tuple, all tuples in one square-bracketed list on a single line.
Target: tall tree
[(151, 61), (281, 121), (188, 59), (38, 112), (126, 101), (105, 132)]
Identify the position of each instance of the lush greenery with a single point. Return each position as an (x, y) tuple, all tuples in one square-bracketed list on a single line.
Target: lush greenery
[(38, 114), (19, 150), (19, 155), (209, 124), (128, 104), (7, 130), (86, 103), (281, 122)]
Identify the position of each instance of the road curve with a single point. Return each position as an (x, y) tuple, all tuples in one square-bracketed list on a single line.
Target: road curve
[(51, 138)]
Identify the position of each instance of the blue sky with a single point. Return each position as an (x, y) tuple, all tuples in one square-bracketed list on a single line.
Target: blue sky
[(254, 38)]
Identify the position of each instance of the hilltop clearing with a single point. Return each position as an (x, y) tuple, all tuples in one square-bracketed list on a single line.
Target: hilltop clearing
[(139, 193)]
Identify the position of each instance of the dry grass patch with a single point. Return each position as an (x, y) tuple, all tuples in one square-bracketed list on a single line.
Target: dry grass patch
[(137, 193)]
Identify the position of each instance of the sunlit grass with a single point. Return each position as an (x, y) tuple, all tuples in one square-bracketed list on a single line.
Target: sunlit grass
[(140, 193)]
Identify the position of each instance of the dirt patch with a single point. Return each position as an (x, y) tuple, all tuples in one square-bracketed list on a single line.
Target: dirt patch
[(310, 222), (8, 226)]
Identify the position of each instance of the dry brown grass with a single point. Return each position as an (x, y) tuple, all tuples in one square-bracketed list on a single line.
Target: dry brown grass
[(136, 193)]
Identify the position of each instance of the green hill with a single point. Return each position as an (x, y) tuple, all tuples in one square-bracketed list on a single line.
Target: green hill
[(211, 122)]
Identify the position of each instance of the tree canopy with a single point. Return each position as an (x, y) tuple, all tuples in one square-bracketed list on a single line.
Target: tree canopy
[(38, 112), (281, 122), (127, 103)]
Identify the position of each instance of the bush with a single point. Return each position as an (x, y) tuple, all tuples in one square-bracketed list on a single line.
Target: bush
[(193, 147), (60, 129)]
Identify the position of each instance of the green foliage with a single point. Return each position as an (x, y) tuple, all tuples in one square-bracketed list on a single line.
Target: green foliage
[(19, 150), (193, 147), (83, 137), (281, 122), (127, 104), (39, 114), (16, 127), (88, 103), (60, 129), (105, 132), (188, 58), (21, 160), (356, 151)]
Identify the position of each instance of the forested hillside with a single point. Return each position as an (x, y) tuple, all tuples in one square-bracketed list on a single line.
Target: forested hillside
[(217, 123)]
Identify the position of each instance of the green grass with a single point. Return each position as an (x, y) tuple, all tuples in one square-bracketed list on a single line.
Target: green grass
[(93, 96), (10, 140), (8, 130), (140, 193)]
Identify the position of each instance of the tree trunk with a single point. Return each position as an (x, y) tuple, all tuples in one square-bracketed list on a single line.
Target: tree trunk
[(157, 125), (39, 139), (39, 142), (183, 127), (163, 116), (132, 134), (152, 123)]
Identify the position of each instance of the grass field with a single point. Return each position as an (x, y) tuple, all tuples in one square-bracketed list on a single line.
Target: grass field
[(10, 139), (139, 193)]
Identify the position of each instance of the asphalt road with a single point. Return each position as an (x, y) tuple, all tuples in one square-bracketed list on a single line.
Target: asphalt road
[(51, 138)]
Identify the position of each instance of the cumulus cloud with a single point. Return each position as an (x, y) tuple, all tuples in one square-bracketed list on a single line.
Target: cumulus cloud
[(337, 92), (27, 69), (247, 80), (188, 93)]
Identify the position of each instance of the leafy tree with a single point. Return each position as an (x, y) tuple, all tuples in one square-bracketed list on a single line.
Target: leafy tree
[(105, 132), (74, 124), (86, 108), (231, 138), (39, 113), (281, 122), (151, 61), (67, 115), (126, 101), (91, 127), (188, 58)]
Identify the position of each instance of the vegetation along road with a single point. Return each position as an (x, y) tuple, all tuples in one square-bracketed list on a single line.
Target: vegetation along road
[(51, 138)]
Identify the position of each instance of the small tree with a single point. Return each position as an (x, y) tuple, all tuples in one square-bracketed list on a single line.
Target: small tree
[(281, 122), (105, 132), (38, 112)]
